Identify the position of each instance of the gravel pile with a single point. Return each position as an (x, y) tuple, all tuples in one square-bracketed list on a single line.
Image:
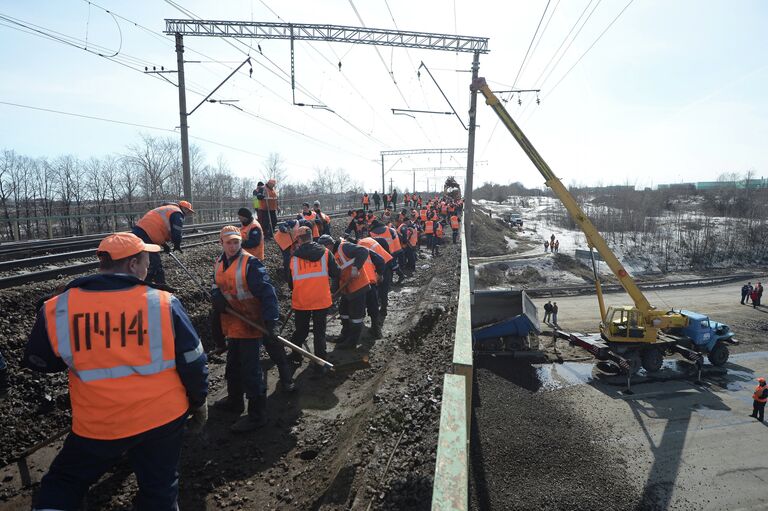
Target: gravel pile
[(532, 451)]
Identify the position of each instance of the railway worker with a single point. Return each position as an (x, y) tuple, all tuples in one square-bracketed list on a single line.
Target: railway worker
[(160, 226), (546, 246), (311, 217), (136, 371), (419, 201), (438, 238), (455, 226), (380, 230), (394, 199), (377, 304), (285, 237), (409, 237), (269, 208), (251, 233), (376, 200), (554, 313), (760, 397), (256, 200), (406, 199), (241, 284), (325, 226), (312, 267), (354, 285), (557, 246), (429, 231), (366, 202)]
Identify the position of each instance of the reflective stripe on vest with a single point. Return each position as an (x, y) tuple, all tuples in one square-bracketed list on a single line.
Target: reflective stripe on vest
[(429, 227), (157, 223), (311, 289), (454, 222), (756, 395), (345, 263), (245, 231), (120, 350), (390, 236), (374, 246), (233, 284)]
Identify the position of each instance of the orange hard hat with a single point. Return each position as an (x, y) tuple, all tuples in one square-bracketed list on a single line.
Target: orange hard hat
[(761, 380), (125, 244), (186, 205), (230, 231)]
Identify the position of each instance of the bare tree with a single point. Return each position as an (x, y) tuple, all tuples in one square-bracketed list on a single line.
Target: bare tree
[(274, 167)]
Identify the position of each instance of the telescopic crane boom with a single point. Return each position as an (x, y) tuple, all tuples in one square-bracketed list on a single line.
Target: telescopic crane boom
[(619, 324)]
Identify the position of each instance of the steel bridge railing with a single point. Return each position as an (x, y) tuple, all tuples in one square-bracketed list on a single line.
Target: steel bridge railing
[(450, 491)]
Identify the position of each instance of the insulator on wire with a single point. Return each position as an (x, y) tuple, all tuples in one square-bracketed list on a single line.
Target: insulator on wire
[(339, 65), (250, 73), (162, 68)]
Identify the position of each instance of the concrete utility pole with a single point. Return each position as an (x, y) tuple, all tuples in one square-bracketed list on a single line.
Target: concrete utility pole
[(187, 173), (382, 172), (470, 154)]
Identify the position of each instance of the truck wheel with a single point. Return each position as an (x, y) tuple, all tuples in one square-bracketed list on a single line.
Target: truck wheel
[(652, 359), (719, 356)]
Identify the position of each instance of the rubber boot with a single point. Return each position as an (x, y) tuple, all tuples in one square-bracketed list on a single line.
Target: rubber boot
[(230, 403), (400, 277), (353, 338), (343, 335), (375, 329), (256, 418)]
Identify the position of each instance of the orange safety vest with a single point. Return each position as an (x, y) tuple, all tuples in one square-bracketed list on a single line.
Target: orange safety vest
[(311, 218), (454, 222), (390, 236), (374, 246), (270, 202), (311, 287), (756, 396), (444, 209), (120, 350), (258, 250), (438, 229), (345, 265), (429, 227), (157, 223), (423, 215), (366, 199), (233, 284), (285, 239)]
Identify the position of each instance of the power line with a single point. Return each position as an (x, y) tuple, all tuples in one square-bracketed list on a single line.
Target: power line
[(514, 82), (590, 47), (389, 71), (544, 31)]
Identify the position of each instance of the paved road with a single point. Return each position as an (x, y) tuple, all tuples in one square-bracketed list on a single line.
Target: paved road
[(721, 303), (686, 446)]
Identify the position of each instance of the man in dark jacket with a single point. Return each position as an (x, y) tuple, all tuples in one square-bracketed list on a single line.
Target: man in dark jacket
[(744, 292), (136, 370), (312, 267), (376, 200)]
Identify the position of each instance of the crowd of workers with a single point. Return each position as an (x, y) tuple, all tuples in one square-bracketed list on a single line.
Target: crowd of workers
[(754, 293), (137, 368)]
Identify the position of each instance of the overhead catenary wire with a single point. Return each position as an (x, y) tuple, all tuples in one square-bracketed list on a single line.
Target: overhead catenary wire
[(285, 78)]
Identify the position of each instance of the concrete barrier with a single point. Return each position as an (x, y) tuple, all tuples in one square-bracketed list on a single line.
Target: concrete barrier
[(451, 484)]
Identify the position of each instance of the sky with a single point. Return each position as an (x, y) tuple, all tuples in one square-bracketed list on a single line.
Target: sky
[(635, 92)]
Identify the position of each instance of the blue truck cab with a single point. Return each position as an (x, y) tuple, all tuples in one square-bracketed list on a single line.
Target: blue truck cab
[(707, 336)]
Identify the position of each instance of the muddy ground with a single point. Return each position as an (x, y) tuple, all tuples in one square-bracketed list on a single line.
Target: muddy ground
[(361, 439)]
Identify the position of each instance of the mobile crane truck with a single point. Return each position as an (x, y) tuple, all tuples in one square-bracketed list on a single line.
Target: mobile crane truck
[(631, 336)]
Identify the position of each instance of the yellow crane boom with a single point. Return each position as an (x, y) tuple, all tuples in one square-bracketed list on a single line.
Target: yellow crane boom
[(594, 239)]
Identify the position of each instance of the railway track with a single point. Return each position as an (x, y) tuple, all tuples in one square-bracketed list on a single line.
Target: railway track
[(545, 292), (41, 271)]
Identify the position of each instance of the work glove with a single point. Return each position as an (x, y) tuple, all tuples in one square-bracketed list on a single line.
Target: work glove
[(355, 272), (272, 328), (166, 248), (197, 418), (218, 301)]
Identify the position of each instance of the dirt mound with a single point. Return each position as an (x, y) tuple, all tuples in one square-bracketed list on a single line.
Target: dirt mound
[(488, 235)]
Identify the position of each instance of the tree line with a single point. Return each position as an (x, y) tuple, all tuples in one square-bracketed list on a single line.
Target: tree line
[(42, 197)]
